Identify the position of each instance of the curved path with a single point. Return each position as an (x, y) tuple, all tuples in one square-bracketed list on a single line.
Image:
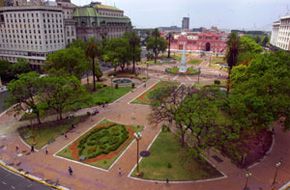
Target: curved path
[(55, 169)]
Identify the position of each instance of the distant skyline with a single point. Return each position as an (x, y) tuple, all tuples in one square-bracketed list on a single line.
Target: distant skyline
[(225, 14)]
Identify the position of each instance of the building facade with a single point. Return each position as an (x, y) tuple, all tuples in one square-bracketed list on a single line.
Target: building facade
[(200, 41), (100, 21), (185, 23), (32, 31), (280, 36)]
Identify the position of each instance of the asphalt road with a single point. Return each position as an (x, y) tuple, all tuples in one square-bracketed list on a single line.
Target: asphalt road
[(10, 181)]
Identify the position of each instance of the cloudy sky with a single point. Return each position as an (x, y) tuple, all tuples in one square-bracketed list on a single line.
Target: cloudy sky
[(229, 14)]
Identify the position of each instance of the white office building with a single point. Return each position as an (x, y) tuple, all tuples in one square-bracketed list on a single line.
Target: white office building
[(32, 31), (281, 33)]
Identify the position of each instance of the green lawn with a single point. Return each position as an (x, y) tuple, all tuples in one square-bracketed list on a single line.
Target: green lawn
[(145, 97), (88, 137), (47, 132), (194, 61), (217, 60), (168, 160), (102, 95)]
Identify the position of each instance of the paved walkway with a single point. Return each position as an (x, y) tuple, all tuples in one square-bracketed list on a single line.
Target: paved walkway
[(54, 168)]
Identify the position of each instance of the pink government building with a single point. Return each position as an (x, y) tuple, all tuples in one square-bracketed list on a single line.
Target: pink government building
[(209, 41)]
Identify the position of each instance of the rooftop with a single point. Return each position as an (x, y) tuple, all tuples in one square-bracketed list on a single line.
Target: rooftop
[(107, 7)]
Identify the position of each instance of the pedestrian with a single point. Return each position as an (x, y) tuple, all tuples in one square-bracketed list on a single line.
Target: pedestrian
[(72, 126), (32, 148), (65, 136), (70, 171), (167, 181), (16, 148), (103, 105), (120, 172), (46, 151)]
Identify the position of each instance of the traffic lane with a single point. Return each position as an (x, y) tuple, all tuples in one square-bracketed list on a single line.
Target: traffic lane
[(10, 181)]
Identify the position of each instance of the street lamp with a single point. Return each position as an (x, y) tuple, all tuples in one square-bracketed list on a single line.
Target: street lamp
[(247, 175), (138, 137), (277, 166)]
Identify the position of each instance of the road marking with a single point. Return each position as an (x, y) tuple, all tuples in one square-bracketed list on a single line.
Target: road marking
[(4, 182), (12, 187)]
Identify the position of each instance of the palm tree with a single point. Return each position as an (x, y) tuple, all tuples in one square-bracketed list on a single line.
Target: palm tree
[(169, 38), (232, 55), (92, 52), (134, 42)]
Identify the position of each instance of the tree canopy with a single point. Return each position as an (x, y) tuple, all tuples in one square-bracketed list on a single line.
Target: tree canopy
[(71, 60), (156, 44)]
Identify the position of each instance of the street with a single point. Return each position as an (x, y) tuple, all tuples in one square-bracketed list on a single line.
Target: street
[(9, 180)]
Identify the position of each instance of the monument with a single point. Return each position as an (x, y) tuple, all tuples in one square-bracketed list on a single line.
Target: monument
[(183, 67)]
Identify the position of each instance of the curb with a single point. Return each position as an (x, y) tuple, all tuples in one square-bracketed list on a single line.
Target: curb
[(30, 177)]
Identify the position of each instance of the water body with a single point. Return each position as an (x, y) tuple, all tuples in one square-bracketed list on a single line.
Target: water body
[(3, 97)]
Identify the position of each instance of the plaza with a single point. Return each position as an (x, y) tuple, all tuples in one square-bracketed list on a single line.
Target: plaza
[(52, 167)]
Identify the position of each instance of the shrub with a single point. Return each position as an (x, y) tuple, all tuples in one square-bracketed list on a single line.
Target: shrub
[(217, 82), (169, 165)]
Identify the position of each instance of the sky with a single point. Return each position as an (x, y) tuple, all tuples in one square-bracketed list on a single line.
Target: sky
[(225, 14)]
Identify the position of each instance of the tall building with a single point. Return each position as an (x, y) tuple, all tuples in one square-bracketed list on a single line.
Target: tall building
[(100, 21), (185, 23), (280, 36), (33, 31)]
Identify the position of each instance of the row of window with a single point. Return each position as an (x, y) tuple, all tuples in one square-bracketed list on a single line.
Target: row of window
[(22, 15)]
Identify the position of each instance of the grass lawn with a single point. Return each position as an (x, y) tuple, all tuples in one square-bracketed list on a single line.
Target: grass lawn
[(217, 60), (47, 132), (102, 95), (101, 145), (168, 160), (194, 61), (145, 97)]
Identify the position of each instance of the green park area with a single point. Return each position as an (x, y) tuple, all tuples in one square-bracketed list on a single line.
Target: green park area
[(45, 133), (101, 145), (146, 97), (168, 160), (105, 94)]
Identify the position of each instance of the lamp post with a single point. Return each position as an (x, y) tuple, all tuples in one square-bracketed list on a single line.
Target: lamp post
[(138, 137), (277, 166), (247, 175)]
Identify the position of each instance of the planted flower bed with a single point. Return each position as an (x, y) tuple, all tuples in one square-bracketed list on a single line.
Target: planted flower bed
[(101, 145)]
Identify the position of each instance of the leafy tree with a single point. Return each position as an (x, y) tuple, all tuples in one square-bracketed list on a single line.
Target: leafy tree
[(134, 48), (202, 114), (98, 72), (261, 90), (60, 93), (248, 50), (265, 41), (23, 92), (9, 71), (165, 107), (117, 52), (156, 44), (92, 52), (71, 60), (21, 66), (5, 70), (232, 54)]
